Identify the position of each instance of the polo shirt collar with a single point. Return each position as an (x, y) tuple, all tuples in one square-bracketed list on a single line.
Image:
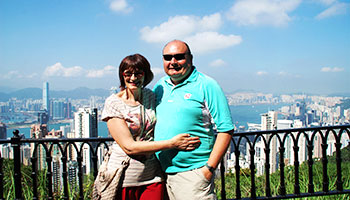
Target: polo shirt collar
[(193, 77)]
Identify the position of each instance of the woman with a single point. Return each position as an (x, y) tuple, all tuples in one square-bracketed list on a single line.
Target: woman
[(130, 117)]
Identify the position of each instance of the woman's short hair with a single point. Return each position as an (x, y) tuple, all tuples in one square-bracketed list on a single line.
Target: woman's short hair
[(133, 63)]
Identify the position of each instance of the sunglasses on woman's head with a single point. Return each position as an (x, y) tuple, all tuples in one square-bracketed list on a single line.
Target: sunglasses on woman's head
[(179, 56)]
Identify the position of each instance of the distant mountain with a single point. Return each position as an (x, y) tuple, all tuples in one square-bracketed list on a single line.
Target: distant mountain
[(345, 104), (7, 89), (36, 93), (4, 96), (79, 93), (240, 91), (344, 94)]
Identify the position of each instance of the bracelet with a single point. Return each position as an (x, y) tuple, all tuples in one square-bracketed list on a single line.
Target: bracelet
[(211, 169)]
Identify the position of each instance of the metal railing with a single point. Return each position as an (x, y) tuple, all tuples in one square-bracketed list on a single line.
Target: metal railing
[(278, 145), (301, 142)]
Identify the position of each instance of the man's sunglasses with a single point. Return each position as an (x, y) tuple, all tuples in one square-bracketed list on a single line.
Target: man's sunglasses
[(179, 56), (137, 74)]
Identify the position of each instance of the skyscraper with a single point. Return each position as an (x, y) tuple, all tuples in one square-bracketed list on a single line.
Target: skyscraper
[(43, 117), (38, 131), (85, 123), (85, 126), (46, 101), (3, 133), (269, 122)]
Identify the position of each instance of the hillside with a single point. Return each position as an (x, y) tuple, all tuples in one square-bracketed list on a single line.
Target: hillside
[(36, 93)]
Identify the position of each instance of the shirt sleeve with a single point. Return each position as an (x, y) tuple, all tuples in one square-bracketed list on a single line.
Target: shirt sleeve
[(218, 106), (111, 109)]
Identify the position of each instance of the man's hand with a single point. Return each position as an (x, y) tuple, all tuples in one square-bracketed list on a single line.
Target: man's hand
[(207, 174)]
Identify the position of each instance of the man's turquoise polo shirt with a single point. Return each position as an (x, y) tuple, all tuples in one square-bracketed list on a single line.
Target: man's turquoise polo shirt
[(197, 106)]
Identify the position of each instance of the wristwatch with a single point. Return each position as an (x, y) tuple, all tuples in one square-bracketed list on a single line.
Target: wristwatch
[(211, 169)]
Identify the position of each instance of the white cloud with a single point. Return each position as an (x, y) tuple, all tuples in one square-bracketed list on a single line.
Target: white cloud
[(286, 74), (120, 6), (158, 71), (325, 2), (210, 41), (261, 73), (210, 22), (262, 12), (180, 26), (283, 73), (330, 69), (10, 75), (102, 72), (33, 75), (175, 27), (200, 33), (58, 70), (16, 74), (217, 63), (335, 9)]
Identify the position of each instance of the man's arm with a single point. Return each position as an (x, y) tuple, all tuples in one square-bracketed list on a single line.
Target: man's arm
[(220, 147)]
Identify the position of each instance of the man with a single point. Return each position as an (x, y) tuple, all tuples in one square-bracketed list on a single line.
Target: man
[(190, 102)]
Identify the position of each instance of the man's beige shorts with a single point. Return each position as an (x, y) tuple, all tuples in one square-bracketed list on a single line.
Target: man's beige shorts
[(191, 185)]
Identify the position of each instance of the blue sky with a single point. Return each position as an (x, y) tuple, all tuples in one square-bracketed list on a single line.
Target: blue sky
[(278, 46)]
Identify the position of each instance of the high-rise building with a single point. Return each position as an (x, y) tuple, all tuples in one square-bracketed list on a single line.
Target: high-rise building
[(269, 122), (85, 123), (57, 109), (60, 109), (73, 174), (43, 117), (46, 97), (3, 129), (6, 151), (38, 131), (25, 154), (85, 126), (56, 161)]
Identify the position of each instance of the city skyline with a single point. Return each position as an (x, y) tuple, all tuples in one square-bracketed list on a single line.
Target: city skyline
[(261, 45)]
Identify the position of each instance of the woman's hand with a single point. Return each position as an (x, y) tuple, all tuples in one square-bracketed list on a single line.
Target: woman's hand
[(185, 142)]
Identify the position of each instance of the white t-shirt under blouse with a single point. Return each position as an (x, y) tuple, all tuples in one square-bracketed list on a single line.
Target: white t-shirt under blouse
[(142, 170)]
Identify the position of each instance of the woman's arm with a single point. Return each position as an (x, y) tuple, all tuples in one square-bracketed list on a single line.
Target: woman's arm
[(121, 134)]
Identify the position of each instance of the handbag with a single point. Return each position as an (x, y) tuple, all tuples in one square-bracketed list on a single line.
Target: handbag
[(108, 182)]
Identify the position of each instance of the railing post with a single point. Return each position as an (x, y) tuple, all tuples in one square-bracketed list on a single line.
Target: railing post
[(324, 164), (222, 172), (64, 175), (237, 171), (338, 161), (296, 168), (80, 175), (15, 143), (252, 173), (282, 181), (267, 172), (34, 176), (1, 178), (310, 162), (94, 163)]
